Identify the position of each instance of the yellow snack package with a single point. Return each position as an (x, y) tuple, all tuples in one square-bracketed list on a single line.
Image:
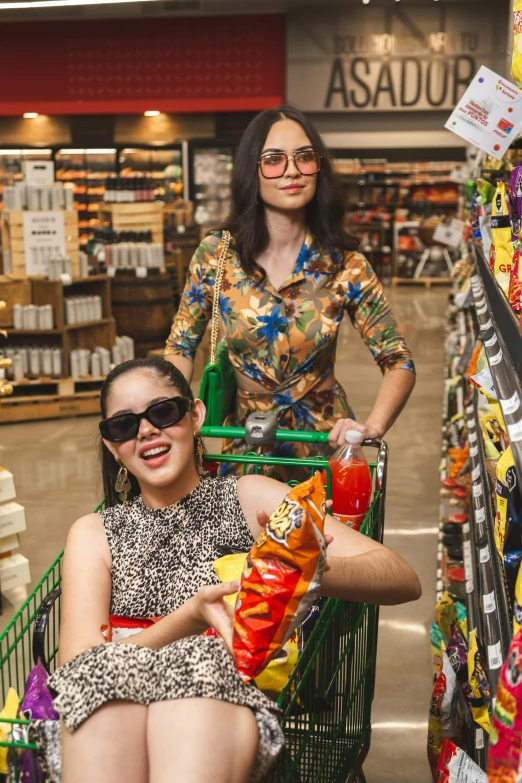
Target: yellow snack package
[(273, 679), (10, 710), (479, 684), (501, 496), (502, 249), (446, 614), (516, 61)]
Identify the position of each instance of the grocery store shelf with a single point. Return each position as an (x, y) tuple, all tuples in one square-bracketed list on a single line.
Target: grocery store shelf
[(495, 607), (501, 312), (501, 349)]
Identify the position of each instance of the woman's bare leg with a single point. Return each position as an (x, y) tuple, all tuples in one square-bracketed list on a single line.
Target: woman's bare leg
[(109, 746), (201, 740)]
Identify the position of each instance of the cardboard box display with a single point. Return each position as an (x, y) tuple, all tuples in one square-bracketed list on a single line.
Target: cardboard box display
[(9, 543), (7, 486), (14, 572), (12, 519)]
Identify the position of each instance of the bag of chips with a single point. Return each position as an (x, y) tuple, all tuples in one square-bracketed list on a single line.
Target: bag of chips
[(516, 61), (501, 238), (479, 684), (455, 766), (281, 578), (515, 286), (10, 710), (506, 730), (438, 645), (273, 679), (443, 717)]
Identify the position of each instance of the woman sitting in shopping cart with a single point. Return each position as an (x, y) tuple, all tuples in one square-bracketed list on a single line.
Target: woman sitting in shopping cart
[(290, 274), (167, 704)]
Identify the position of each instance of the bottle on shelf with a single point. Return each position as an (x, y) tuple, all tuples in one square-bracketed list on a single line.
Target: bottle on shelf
[(351, 482)]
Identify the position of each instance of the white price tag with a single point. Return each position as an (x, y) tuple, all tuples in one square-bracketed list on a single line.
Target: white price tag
[(475, 473), (473, 451), (489, 602), (496, 359), (470, 424), (479, 738), (515, 431), (472, 437), (469, 409), (491, 342), (482, 310), (487, 325), (465, 528), (480, 515), (484, 554), (66, 278), (511, 405), (141, 271), (111, 271), (468, 567), (477, 490), (495, 656)]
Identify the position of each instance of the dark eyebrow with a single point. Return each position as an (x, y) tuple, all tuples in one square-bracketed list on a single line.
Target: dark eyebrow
[(152, 402), (299, 149)]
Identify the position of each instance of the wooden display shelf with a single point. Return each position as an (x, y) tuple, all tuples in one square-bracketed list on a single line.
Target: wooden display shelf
[(37, 408), (136, 216), (425, 281)]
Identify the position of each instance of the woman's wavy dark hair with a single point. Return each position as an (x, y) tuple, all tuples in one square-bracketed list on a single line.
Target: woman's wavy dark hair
[(163, 370), (246, 221)]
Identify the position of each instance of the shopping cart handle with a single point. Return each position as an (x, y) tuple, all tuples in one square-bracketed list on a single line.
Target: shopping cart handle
[(285, 435)]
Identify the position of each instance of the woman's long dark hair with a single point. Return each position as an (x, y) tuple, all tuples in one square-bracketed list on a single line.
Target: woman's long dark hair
[(109, 467), (246, 221)]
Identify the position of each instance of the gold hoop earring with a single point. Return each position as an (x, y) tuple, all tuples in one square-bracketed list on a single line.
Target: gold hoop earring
[(200, 453), (123, 485)]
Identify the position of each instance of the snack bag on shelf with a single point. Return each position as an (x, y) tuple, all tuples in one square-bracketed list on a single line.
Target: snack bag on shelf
[(438, 645), (515, 286), (479, 684), (516, 61), (281, 578), (508, 521), (443, 720), (501, 238), (455, 766), (273, 679), (450, 614), (506, 730)]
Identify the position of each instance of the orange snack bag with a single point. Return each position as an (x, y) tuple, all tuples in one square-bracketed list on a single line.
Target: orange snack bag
[(281, 578)]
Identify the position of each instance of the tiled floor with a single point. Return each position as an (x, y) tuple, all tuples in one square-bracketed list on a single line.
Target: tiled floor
[(54, 463)]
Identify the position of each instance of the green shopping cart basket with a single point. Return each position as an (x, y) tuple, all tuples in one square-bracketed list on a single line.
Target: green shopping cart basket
[(327, 700)]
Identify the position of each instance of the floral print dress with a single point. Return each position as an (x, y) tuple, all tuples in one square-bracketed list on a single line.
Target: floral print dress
[(286, 339)]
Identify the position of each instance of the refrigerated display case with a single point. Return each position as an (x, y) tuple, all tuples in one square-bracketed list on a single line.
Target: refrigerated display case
[(88, 170), (211, 177), (163, 166)]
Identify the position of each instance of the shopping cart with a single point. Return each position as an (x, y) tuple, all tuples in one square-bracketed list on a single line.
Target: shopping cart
[(327, 700)]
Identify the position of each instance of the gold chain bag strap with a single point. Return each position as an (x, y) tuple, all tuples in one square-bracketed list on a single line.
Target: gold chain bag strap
[(218, 383), (222, 262)]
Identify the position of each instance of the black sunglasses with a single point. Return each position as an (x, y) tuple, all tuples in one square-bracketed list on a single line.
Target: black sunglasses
[(164, 413)]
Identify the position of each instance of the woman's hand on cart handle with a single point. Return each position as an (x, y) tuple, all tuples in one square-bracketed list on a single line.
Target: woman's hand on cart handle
[(212, 611), (337, 436)]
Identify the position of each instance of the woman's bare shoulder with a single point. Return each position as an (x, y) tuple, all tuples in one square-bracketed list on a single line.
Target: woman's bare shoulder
[(88, 534)]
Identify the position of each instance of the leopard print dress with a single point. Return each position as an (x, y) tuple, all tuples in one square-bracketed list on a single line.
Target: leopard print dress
[(160, 558)]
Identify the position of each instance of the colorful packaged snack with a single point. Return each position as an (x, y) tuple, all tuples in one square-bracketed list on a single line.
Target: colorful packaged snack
[(479, 684), (506, 731), (455, 766), (281, 578), (273, 679), (515, 286), (501, 237), (443, 716), (450, 613), (10, 710), (438, 645), (516, 61)]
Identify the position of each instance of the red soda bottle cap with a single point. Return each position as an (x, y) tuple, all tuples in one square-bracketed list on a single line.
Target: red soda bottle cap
[(456, 575)]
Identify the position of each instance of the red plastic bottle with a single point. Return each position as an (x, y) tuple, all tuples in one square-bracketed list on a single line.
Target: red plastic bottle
[(351, 482)]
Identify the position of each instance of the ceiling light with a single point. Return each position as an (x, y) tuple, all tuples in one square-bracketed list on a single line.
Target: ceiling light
[(151, 113), (365, 2), (31, 115)]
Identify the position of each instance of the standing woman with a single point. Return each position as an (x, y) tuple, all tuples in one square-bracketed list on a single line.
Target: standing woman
[(291, 274)]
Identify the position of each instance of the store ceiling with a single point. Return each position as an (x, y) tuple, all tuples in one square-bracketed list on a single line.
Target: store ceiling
[(73, 9)]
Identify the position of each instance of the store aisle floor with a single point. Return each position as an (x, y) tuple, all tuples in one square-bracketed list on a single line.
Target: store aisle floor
[(54, 467)]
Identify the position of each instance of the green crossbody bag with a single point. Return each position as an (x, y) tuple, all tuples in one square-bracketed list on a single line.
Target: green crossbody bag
[(218, 387)]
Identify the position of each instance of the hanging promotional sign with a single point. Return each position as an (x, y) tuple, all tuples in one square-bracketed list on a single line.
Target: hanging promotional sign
[(44, 239), (388, 59), (489, 114)]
